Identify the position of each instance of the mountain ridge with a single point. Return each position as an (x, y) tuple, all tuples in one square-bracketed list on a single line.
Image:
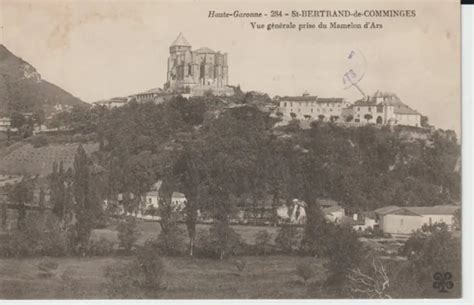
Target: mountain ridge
[(22, 89)]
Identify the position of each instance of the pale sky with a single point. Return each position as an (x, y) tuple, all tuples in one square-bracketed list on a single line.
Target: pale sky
[(102, 49)]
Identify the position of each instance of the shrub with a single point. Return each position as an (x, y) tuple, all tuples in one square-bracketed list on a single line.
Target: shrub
[(100, 247), (240, 265), (70, 285), (345, 252), (429, 250), (202, 245), (41, 235), (221, 242), (47, 267), (305, 271), (287, 239), (172, 242), (224, 241), (128, 233), (262, 242), (39, 141), (138, 278)]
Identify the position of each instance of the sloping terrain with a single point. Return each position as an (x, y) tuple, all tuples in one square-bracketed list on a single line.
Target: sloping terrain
[(28, 160), (22, 88)]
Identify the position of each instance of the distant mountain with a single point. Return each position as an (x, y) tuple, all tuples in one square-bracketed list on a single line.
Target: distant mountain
[(22, 88)]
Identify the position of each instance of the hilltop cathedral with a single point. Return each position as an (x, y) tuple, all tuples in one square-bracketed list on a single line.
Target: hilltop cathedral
[(196, 72)]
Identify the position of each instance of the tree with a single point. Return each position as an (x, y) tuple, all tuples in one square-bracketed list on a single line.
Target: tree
[(316, 232), (190, 169), (4, 211), (88, 207), (372, 282), (142, 277), (41, 200), (128, 233), (457, 219), (57, 181), (262, 241), (18, 120), (287, 239), (349, 118), (429, 250), (345, 252), (21, 194), (368, 117), (321, 117), (293, 115), (39, 118), (224, 240), (424, 121)]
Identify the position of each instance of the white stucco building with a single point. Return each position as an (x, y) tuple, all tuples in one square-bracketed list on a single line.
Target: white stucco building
[(401, 221), (311, 107), (5, 123), (382, 108)]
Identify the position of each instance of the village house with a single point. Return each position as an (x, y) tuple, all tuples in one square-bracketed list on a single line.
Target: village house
[(178, 201), (365, 220), (402, 221), (5, 123), (112, 103), (294, 214), (152, 199), (382, 108), (311, 107), (334, 213)]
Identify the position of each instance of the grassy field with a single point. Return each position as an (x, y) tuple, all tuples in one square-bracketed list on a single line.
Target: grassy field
[(185, 278), (152, 229)]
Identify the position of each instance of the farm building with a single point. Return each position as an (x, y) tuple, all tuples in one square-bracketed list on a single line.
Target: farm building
[(366, 220), (178, 200), (405, 220), (334, 213)]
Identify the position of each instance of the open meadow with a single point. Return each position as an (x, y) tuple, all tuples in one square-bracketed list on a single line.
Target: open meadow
[(272, 276), (151, 229), (185, 278)]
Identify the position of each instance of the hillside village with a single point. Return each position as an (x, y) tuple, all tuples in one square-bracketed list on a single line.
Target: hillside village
[(199, 151), (379, 109)]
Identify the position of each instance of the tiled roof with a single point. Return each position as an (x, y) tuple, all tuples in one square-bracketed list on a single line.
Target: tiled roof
[(332, 209), (436, 210), (387, 210), (177, 195), (365, 102), (313, 98), (404, 109), (204, 50), (303, 98)]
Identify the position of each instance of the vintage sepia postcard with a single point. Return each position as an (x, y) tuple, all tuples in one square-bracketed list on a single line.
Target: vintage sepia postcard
[(230, 149)]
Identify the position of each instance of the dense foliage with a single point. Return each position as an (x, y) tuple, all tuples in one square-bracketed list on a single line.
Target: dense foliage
[(225, 158)]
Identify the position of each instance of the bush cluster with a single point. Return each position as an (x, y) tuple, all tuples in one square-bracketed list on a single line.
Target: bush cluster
[(141, 277), (41, 235)]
